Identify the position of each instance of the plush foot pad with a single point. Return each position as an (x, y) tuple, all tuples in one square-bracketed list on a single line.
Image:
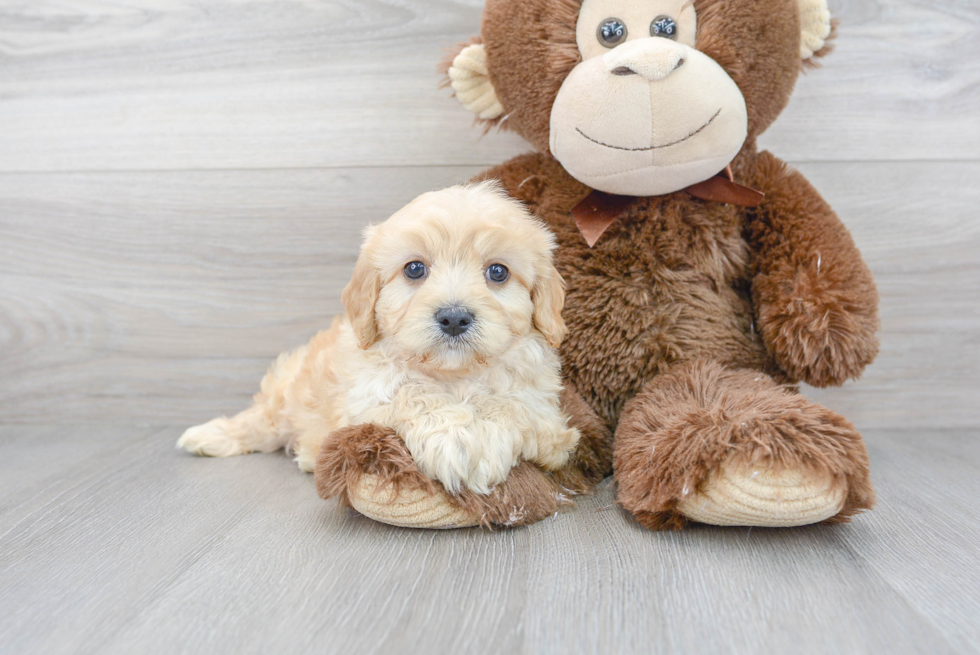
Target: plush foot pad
[(407, 507), (763, 496)]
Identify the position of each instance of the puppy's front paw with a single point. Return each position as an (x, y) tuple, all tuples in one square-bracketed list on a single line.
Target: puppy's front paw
[(458, 463), (483, 477), (556, 455), (553, 460), (452, 467), (210, 439)]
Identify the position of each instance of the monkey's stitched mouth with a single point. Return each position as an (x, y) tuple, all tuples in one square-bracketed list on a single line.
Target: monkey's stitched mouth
[(664, 145)]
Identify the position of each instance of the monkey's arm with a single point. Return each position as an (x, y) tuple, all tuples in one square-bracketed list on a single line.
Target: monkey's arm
[(816, 303)]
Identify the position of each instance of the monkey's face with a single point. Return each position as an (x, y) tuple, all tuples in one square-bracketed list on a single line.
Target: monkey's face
[(638, 97), (644, 112)]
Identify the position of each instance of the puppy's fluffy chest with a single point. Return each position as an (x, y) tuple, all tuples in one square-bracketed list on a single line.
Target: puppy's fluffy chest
[(393, 393)]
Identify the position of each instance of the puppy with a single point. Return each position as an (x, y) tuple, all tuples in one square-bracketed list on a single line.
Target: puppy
[(450, 335)]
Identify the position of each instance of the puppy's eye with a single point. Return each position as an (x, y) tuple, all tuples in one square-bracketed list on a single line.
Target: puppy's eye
[(611, 32), (416, 270), (497, 273), (664, 26)]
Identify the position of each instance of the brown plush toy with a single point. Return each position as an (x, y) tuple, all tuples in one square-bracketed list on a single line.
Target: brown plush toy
[(704, 278)]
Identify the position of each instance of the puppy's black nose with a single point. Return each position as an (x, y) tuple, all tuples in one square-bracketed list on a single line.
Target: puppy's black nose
[(454, 320)]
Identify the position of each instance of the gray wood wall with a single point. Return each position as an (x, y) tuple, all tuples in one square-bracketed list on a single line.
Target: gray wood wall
[(182, 187)]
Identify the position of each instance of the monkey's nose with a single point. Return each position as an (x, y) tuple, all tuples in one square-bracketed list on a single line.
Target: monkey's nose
[(652, 58), (454, 320)]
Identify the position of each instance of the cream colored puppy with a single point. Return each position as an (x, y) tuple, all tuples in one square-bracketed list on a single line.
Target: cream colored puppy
[(450, 335)]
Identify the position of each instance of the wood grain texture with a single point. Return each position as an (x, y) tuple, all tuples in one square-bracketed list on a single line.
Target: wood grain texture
[(162, 297), (134, 547), (136, 85)]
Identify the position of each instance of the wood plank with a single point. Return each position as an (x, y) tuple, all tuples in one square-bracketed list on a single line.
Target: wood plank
[(923, 537), (875, 98), (33, 461), (97, 85), (101, 540), (162, 297), (146, 549)]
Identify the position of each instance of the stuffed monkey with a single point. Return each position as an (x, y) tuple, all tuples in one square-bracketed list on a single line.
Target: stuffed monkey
[(704, 278)]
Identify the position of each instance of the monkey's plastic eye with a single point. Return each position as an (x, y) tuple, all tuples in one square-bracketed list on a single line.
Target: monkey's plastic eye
[(611, 32), (664, 26), (416, 270), (497, 273)]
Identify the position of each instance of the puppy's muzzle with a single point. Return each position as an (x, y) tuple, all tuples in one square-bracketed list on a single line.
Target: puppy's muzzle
[(454, 321)]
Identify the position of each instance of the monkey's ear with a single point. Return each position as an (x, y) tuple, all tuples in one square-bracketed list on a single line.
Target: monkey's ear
[(470, 79), (360, 296), (815, 28)]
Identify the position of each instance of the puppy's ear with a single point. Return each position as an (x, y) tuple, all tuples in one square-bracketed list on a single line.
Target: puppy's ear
[(360, 296), (548, 296)]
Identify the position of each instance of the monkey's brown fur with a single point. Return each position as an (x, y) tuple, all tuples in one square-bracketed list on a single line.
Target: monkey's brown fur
[(690, 320)]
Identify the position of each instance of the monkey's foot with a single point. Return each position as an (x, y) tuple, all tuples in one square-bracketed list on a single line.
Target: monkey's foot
[(732, 447)]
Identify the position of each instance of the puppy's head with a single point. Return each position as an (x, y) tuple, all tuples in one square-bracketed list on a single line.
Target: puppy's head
[(455, 278)]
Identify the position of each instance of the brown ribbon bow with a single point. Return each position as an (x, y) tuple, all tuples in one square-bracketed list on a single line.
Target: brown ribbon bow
[(598, 211)]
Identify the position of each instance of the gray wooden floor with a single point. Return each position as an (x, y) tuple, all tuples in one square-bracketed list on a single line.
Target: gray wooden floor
[(112, 542), (182, 188)]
